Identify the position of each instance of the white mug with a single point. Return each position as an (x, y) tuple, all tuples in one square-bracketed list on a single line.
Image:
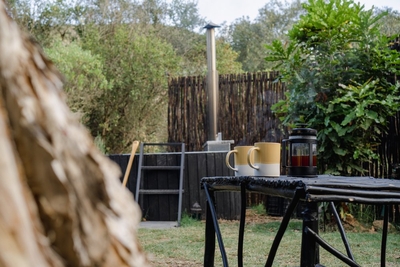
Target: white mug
[(265, 159), (240, 159)]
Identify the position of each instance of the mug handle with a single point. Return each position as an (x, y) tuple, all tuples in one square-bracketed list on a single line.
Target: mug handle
[(227, 160), (249, 155)]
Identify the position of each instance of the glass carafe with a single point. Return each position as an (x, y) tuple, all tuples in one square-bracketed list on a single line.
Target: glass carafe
[(302, 153)]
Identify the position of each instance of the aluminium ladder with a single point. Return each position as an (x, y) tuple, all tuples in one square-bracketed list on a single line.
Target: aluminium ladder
[(142, 169)]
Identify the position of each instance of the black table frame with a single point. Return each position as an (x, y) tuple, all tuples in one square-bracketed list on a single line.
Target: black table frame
[(324, 188)]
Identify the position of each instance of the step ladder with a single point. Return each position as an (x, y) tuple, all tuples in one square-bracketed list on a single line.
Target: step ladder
[(142, 169)]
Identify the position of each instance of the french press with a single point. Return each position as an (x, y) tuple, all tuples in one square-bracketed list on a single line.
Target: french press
[(301, 160)]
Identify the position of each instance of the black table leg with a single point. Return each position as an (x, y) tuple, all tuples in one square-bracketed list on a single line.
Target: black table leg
[(331, 249), (209, 251), (242, 223), (341, 230), (384, 235), (282, 228), (309, 248), (211, 211)]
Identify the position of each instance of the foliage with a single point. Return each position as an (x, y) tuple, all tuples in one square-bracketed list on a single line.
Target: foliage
[(46, 21), (391, 24), (85, 82), (226, 59), (100, 144), (339, 71), (354, 124), (260, 209), (348, 213), (248, 38), (135, 107), (117, 58), (364, 213), (188, 221), (184, 14), (192, 49)]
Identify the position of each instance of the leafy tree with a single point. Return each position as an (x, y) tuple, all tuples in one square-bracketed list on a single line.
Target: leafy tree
[(44, 20), (391, 23), (226, 59), (135, 107), (184, 14), (185, 31), (192, 48), (248, 38), (155, 12), (117, 56), (339, 71), (84, 82)]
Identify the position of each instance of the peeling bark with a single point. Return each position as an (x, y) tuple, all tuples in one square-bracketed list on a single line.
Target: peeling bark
[(61, 200)]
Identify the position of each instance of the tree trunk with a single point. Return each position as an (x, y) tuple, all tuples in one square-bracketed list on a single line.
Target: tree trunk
[(61, 201)]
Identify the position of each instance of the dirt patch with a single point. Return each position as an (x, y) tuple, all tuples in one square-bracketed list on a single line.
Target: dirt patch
[(253, 217), (350, 224)]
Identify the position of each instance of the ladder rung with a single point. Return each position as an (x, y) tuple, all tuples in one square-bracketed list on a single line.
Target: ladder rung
[(161, 167), (159, 191)]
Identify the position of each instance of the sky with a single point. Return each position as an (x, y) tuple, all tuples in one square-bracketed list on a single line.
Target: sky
[(218, 11)]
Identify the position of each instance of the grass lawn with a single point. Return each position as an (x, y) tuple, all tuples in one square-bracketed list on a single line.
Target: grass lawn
[(184, 246)]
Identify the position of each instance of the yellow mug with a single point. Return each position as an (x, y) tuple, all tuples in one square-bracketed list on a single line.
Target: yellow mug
[(265, 159), (240, 159)]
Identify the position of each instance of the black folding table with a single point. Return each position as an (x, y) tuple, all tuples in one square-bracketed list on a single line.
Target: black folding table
[(324, 188)]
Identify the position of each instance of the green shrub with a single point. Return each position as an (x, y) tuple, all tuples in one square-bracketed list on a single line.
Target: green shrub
[(339, 71)]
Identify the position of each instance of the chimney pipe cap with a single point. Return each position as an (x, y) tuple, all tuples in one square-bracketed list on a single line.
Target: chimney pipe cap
[(211, 25)]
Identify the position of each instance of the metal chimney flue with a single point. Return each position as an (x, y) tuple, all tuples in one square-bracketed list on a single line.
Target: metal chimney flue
[(212, 82), (215, 142)]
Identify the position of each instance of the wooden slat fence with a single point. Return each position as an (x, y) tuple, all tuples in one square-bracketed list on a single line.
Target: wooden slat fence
[(244, 113)]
